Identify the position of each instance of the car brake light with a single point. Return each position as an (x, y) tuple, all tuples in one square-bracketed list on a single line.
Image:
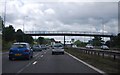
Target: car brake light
[(26, 50)]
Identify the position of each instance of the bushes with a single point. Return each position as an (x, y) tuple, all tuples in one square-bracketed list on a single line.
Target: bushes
[(6, 45)]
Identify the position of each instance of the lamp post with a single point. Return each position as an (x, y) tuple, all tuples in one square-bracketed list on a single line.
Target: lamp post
[(24, 18), (5, 13), (103, 29)]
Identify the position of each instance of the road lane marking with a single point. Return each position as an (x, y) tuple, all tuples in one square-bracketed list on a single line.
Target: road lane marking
[(36, 54), (41, 55), (24, 67), (98, 70), (34, 62), (27, 65)]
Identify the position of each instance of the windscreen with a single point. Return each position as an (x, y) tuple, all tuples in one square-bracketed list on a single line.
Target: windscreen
[(36, 46), (18, 46)]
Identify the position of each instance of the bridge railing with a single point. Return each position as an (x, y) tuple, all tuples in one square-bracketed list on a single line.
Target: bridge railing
[(66, 32)]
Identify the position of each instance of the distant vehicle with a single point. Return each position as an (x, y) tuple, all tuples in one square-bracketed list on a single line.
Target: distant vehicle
[(89, 46), (20, 50), (37, 48), (43, 47), (48, 46), (57, 48), (104, 47), (74, 46)]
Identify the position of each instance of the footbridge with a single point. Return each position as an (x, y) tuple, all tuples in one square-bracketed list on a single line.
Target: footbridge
[(68, 33)]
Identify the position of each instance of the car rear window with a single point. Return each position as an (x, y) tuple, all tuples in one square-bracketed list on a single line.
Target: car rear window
[(18, 46), (36, 46), (57, 45)]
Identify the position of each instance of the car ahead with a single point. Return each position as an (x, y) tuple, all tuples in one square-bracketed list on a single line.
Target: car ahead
[(20, 50), (57, 48), (104, 47), (43, 47), (89, 46), (74, 46), (37, 48)]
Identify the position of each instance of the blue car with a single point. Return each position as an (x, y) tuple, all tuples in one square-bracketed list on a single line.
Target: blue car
[(20, 50)]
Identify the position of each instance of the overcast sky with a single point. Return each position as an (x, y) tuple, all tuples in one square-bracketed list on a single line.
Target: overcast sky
[(75, 15)]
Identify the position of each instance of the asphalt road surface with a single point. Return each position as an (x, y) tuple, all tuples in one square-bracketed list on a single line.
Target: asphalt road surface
[(45, 62)]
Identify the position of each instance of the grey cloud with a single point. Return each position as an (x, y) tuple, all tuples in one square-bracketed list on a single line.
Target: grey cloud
[(67, 16)]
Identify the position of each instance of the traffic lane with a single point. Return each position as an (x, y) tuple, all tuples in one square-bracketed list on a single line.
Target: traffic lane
[(57, 64), (14, 66)]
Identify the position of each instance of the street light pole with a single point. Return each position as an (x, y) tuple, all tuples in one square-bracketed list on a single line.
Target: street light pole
[(24, 19), (5, 14), (103, 30), (24, 26)]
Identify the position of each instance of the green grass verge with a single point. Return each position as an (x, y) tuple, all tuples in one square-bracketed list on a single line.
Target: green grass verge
[(107, 64)]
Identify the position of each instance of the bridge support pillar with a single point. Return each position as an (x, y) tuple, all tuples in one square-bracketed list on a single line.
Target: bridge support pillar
[(64, 40)]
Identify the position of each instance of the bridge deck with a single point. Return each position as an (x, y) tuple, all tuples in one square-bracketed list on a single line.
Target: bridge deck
[(67, 33)]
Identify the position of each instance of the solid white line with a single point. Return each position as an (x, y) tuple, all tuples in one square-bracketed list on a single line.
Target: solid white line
[(24, 67), (98, 70), (34, 62)]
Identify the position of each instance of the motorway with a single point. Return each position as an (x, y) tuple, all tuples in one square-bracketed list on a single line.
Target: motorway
[(45, 62)]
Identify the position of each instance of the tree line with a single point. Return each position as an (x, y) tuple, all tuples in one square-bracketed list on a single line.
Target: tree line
[(9, 35)]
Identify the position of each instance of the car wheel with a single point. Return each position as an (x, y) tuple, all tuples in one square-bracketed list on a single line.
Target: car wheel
[(52, 53), (63, 53), (10, 58), (29, 58)]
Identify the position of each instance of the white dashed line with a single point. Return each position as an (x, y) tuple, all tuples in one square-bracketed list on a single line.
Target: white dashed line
[(34, 62), (41, 55), (36, 55)]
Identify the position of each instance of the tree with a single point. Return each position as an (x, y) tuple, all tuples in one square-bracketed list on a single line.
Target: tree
[(79, 43), (1, 23), (108, 43), (41, 40), (97, 41), (52, 40), (47, 41), (114, 41), (28, 39), (8, 33), (19, 36)]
